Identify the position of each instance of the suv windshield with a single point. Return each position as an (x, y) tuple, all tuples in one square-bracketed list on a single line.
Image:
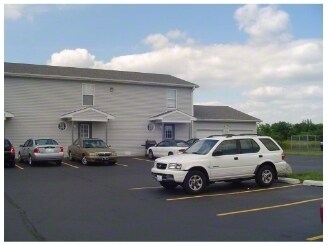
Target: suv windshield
[(202, 147), (94, 143)]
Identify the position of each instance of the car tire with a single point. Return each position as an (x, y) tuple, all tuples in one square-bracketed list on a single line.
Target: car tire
[(265, 176), (30, 161), (70, 157), (169, 185), (84, 160), (151, 155), (170, 153), (195, 182), (20, 160), (58, 163)]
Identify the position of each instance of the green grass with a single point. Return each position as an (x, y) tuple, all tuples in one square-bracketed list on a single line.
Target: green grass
[(307, 176), (304, 152)]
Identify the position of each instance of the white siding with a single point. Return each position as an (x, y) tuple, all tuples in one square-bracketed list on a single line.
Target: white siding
[(38, 105)]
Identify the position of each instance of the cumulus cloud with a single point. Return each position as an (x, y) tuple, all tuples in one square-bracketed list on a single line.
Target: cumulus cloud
[(13, 11), (279, 71)]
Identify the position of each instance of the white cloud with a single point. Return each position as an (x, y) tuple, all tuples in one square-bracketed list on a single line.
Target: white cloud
[(13, 11), (279, 73), (264, 24), (72, 58)]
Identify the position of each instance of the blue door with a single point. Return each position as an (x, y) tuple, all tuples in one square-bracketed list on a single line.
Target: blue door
[(169, 131)]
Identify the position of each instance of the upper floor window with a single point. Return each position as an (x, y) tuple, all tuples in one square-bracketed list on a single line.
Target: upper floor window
[(171, 98), (88, 93)]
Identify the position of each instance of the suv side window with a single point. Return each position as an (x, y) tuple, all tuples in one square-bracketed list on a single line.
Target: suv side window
[(269, 144), (228, 147), (248, 146)]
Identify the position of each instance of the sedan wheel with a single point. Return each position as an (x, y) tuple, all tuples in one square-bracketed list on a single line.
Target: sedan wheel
[(30, 161), (70, 157), (151, 155), (20, 160), (84, 160)]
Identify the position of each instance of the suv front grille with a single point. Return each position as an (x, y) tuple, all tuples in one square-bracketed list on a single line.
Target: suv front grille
[(105, 154), (161, 165)]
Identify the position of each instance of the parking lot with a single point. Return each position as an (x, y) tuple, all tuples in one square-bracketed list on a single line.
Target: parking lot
[(123, 203)]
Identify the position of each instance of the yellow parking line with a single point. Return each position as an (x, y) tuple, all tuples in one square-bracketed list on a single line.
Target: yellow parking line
[(270, 207), (118, 164), (70, 165), (231, 193), (144, 188), (315, 238), (19, 167)]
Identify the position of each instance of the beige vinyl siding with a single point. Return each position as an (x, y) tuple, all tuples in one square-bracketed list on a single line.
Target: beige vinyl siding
[(38, 105)]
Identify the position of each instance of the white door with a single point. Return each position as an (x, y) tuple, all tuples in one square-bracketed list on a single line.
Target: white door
[(84, 131), (227, 164)]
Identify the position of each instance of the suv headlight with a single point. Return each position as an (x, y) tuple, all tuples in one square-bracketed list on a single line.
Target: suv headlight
[(174, 166)]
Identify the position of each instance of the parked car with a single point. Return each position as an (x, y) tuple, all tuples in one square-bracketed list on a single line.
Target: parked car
[(9, 153), (223, 158), (192, 141), (90, 150), (41, 150), (167, 147)]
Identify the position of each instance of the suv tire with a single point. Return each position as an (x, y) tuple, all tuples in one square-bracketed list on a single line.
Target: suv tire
[(194, 182), (265, 176)]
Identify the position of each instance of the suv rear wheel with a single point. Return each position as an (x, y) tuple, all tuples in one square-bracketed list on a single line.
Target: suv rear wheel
[(265, 176), (194, 182)]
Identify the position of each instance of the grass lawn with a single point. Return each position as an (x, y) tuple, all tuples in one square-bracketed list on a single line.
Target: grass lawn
[(307, 176), (304, 152)]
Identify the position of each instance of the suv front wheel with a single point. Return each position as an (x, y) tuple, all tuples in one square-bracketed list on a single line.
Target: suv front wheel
[(195, 182), (265, 176)]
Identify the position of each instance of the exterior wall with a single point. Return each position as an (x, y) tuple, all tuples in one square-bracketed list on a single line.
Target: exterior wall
[(225, 127), (38, 104)]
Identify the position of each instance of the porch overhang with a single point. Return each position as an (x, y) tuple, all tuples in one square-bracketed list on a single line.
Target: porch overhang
[(87, 115), (8, 115), (174, 116)]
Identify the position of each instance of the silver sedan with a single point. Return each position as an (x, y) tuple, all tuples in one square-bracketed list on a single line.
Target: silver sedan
[(40, 150)]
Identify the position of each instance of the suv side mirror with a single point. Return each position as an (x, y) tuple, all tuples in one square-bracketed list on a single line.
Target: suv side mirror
[(217, 153)]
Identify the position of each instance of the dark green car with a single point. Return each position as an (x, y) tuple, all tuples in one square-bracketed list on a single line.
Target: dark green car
[(91, 150)]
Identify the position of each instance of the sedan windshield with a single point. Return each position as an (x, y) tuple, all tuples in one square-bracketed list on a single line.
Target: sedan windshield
[(202, 147), (94, 143)]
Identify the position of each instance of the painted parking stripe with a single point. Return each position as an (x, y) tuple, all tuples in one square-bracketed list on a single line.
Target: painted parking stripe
[(19, 167), (119, 164), (70, 165), (144, 188), (139, 159), (269, 207), (231, 193), (315, 238)]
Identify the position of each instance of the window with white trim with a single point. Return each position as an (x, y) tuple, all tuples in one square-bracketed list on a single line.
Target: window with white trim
[(171, 99), (88, 93)]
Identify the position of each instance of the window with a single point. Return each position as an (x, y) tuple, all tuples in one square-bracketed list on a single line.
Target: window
[(62, 126), (163, 144), (45, 142), (269, 144), (171, 99), (228, 147), (202, 147), (88, 93), (248, 146), (84, 130)]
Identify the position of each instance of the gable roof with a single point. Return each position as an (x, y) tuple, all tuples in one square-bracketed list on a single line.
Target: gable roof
[(73, 73), (88, 114), (221, 113), (173, 116)]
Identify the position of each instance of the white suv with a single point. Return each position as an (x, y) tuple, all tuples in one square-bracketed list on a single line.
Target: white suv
[(222, 158)]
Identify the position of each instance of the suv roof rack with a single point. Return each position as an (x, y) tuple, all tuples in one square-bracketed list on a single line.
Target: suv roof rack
[(232, 135)]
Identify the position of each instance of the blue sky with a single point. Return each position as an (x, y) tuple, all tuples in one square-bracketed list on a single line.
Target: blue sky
[(246, 56)]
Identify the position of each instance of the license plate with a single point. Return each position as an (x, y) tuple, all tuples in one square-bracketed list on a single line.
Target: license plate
[(105, 158), (49, 150), (159, 178)]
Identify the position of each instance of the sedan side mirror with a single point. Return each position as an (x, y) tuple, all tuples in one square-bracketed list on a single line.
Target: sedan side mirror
[(217, 153)]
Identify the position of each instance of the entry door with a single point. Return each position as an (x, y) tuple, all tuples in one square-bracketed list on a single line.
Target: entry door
[(169, 131), (85, 130)]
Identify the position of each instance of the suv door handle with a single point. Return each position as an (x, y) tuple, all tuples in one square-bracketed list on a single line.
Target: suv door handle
[(235, 158), (260, 156)]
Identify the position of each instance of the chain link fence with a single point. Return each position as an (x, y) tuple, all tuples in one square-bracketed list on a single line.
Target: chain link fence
[(305, 142)]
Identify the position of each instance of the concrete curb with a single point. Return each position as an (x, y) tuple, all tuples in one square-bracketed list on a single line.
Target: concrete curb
[(313, 183), (288, 180), (297, 181)]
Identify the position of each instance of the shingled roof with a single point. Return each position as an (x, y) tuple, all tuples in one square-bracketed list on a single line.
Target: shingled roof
[(72, 73), (221, 113)]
